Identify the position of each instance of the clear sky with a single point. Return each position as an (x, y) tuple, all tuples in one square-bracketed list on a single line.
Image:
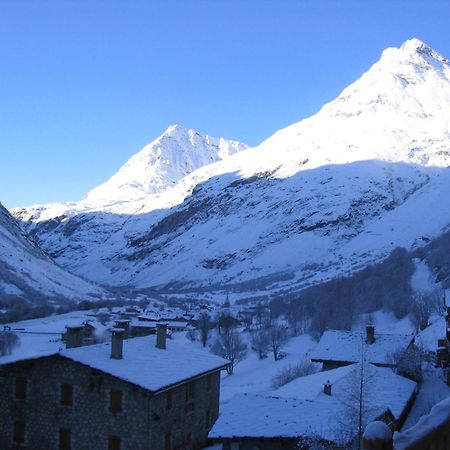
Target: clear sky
[(84, 84)]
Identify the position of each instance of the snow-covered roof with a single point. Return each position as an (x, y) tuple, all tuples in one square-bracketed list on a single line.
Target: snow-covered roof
[(382, 388), (175, 324), (144, 324), (300, 408), (143, 364), (438, 417), (57, 324), (338, 345), (428, 338), (258, 416), (149, 317)]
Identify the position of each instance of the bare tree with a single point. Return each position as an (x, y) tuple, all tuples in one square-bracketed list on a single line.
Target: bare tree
[(8, 340), (260, 312), (278, 337), (226, 321), (204, 326), (292, 372), (260, 342), (231, 346), (192, 335), (408, 362), (297, 317), (357, 410)]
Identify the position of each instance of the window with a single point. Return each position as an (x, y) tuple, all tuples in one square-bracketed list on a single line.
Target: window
[(169, 400), (21, 388), (114, 443), (64, 439), (208, 418), (19, 432), (115, 401), (66, 394), (168, 441), (190, 391)]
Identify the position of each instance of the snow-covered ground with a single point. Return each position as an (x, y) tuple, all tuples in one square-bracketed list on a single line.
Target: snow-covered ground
[(422, 279), (252, 375), (255, 376), (385, 322), (432, 390)]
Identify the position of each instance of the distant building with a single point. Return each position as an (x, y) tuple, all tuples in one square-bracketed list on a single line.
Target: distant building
[(141, 393), (339, 348)]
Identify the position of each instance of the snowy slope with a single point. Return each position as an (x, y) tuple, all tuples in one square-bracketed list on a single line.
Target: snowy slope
[(27, 272), (325, 196)]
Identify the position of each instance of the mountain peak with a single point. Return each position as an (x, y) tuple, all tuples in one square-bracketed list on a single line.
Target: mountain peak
[(161, 164), (414, 45), (416, 52), (175, 130)]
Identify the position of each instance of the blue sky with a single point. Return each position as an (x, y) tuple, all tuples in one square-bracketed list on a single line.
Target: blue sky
[(84, 84)]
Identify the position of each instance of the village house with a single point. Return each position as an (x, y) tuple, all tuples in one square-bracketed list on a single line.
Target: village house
[(320, 408), (339, 348), (134, 394), (432, 431)]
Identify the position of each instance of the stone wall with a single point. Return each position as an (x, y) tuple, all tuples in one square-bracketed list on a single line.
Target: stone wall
[(142, 424)]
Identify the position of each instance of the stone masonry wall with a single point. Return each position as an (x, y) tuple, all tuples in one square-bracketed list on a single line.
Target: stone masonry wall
[(142, 424)]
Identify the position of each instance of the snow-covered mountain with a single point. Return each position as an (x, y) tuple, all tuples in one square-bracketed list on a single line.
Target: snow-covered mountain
[(322, 197), (27, 272), (161, 164)]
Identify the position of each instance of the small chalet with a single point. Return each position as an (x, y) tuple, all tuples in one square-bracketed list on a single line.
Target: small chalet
[(134, 394), (339, 348), (322, 408)]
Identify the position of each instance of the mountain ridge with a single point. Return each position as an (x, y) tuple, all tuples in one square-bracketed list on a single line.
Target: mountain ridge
[(321, 197), (28, 273)]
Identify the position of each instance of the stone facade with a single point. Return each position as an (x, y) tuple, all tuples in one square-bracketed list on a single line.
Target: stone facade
[(172, 419)]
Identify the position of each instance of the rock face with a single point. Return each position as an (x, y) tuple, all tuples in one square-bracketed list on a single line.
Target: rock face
[(320, 198), (27, 272)]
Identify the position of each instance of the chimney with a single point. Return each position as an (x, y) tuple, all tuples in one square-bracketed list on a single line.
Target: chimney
[(161, 334), (74, 336), (125, 324), (327, 388), (442, 357), (370, 334), (117, 343)]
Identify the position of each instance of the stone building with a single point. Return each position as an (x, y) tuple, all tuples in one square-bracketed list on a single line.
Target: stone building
[(338, 348), (317, 410), (126, 394)]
